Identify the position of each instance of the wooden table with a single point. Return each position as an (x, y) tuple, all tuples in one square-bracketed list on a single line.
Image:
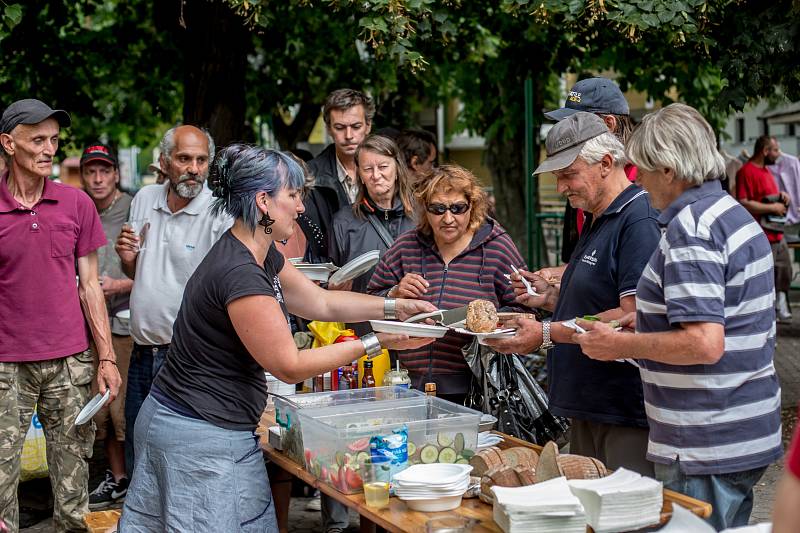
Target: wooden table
[(397, 518)]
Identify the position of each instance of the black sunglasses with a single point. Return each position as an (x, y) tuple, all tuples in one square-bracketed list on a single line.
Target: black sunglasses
[(440, 209)]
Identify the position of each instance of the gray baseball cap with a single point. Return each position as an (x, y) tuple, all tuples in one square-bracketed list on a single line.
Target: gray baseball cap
[(593, 95), (31, 111), (566, 138)]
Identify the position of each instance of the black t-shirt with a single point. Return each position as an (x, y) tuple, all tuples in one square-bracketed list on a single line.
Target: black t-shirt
[(208, 370)]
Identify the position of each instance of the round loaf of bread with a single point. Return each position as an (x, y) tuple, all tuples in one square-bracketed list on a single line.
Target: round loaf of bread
[(481, 316)]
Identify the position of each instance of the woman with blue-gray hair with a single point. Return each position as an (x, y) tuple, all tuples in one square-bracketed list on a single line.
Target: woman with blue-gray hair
[(198, 462)]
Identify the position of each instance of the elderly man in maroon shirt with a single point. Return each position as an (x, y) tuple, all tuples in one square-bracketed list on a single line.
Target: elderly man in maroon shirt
[(46, 229)]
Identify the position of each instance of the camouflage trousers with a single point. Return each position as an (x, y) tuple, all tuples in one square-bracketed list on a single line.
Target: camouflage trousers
[(60, 388)]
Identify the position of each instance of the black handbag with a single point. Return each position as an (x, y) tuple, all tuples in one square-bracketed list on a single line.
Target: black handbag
[(504, 388)]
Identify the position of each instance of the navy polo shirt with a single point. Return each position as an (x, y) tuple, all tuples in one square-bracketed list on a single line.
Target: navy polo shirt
[(605, 266)]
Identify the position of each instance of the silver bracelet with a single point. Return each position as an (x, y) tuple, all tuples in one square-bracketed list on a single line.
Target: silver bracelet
[(389, 308), (372, 346), (546, 342)]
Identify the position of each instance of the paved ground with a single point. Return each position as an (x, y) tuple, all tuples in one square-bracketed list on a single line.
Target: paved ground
[(35, 497)]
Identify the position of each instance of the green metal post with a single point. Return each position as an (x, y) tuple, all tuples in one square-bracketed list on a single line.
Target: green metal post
[(531, 189)]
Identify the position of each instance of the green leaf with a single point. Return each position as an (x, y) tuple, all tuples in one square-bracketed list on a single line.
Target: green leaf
[(13, 15), (651, 19)]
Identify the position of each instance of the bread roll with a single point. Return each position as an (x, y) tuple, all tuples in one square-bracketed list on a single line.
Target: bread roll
[(481, 316)]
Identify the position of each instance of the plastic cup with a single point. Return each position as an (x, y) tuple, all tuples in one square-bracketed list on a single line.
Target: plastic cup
[(376, 484), (449, 524), (140, 227)]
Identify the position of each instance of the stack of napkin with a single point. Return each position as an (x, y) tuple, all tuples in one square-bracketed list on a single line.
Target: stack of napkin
[(622, 501), (545, 507)]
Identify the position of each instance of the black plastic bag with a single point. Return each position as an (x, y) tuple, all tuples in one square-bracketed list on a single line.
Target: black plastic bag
[(504, 388)]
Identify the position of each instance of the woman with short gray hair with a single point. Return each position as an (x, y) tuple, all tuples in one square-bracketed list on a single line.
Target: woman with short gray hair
[(198, 461)]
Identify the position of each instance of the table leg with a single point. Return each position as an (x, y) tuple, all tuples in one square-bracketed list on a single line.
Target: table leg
[(368, 526)]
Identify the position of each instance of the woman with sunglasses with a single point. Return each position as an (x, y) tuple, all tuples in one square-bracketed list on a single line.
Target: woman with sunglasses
[(456, 255)]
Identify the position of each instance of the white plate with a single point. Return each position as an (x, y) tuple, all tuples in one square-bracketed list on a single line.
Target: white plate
[(412, 330), (443, 473), (94, 405), (496, 334), (316, 271), (431, 506), (354, 268)]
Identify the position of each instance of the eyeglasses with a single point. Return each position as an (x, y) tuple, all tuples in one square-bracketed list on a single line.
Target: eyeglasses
[(440, 209)]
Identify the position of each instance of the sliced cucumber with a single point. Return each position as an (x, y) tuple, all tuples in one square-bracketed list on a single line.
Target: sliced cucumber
[(362, 457), (428, 454), (444, 439), (462, 461), (458, 442), (412, 448), (447, 455), (467, 454)]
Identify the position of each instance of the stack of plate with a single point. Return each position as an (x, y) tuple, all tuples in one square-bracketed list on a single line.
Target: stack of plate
[(432, 487), (317, 271)]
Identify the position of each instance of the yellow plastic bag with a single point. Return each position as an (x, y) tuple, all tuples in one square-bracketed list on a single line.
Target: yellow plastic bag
[(34, 452), (326, 333)]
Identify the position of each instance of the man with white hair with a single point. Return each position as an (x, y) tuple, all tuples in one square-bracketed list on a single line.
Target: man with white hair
[(603, 401), (180, 230), (705, 323)]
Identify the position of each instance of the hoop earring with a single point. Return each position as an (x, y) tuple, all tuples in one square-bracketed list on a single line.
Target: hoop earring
[(266, 222)]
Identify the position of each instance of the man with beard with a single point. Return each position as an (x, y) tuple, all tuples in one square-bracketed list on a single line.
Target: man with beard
[(757, 191), (174, 231)]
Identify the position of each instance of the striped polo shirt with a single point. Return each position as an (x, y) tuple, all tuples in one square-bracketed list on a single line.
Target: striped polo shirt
[(713, 264)]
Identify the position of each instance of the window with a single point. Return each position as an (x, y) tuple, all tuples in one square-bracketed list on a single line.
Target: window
[(740, 130)]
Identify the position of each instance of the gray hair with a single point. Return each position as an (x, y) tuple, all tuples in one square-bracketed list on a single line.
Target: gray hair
[(345, 99), (679, 138), (240, 172), (167, 144), (604, 144)]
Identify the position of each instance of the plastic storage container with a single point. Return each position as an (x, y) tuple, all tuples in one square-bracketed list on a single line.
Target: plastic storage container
[(286, 410), (336, 438)]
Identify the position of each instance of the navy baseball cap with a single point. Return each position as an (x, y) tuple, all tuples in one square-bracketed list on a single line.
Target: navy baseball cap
[(593, 95), (31, 111)]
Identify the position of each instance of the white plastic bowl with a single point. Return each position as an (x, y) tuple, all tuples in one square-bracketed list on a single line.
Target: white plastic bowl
[(447, 503)]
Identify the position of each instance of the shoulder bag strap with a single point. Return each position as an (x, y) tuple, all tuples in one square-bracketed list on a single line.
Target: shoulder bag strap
[(383, 233)]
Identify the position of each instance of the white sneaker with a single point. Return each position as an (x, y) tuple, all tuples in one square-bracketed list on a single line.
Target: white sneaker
[(782, 308), (314, 504)]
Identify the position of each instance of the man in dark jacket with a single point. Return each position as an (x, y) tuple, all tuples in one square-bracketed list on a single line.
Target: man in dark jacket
[(348, 119)]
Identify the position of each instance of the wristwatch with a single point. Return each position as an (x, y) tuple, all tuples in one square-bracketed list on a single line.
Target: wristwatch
[(546, 342), (389, 308), (372, 346)]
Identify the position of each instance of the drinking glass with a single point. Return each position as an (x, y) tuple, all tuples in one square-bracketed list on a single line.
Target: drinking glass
[(140, 227)]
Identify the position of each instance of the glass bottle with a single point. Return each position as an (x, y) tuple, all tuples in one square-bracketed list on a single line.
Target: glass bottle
[(368, 380)]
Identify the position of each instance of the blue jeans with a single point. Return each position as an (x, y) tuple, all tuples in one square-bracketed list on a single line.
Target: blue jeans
[(145, 363), (730, 495), (194, 476)]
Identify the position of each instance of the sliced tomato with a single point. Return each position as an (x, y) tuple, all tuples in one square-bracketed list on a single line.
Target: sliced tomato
[(353, 479), (359, 445)]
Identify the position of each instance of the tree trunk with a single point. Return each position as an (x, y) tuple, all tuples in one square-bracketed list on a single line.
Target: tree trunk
[(505, 157), (288, 135), (215, 45)]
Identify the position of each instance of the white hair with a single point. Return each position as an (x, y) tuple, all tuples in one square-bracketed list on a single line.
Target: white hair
[(604, 144), (167, 144), (679, 138)]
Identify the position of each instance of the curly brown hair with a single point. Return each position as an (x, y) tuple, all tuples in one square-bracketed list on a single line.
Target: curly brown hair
[(446, 179)]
